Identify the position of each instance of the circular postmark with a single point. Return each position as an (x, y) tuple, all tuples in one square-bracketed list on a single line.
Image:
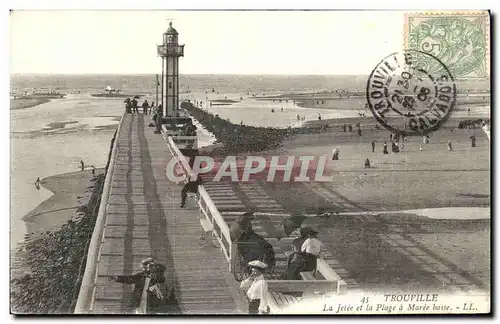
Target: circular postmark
[(406, 98)]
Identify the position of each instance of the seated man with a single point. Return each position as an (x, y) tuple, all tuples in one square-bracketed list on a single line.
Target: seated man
[(191, 186), (190, 129)]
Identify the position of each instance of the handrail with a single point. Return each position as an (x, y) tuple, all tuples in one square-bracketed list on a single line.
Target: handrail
[(85, 297), (206, 205)]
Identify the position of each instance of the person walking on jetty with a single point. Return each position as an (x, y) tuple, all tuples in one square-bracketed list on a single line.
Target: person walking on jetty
[(385, 151), (152, 107), (192, 187), (93, 171), (257, 289), (134, 106), (145, 107), (158, 118), (128, 106), (82, 165), (373, 146)]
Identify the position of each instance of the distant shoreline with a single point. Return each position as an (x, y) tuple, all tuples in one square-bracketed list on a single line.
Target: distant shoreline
[(27, 103)]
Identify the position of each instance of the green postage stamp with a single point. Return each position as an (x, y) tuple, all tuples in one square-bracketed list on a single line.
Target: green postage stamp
[(460, 40)]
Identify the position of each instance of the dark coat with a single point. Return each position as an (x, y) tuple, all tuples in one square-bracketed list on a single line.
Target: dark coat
[(156, 304)]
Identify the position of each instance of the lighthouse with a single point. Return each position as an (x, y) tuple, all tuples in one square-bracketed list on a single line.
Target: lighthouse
[(170, 51)]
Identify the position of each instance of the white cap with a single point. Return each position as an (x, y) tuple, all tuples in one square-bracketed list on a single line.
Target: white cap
[(257, 264)]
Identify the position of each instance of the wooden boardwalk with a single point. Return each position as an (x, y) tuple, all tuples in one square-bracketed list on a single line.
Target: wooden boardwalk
[(144, 219)]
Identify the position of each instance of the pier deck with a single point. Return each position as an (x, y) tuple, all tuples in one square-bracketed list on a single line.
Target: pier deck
[(144, 219)]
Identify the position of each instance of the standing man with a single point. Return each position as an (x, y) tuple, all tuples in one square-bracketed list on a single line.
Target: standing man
[(473, 140), (152, 107), (145, 107), (373, 146), (158, 118), (82, 165), (134, 106), (128, 106)]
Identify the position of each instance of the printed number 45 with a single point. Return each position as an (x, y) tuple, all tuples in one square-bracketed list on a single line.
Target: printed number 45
[(364, 300)]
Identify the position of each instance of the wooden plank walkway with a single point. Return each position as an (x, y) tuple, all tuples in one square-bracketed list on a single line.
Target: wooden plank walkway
[(144, 219)]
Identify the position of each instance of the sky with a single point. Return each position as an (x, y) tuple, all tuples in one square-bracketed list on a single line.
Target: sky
[(216, 42)]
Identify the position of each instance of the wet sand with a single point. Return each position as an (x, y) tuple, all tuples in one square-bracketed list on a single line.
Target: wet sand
[(399, 251), (52, 213), (26, 103)]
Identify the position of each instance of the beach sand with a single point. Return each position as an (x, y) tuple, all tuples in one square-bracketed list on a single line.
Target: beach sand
[(68, 190), (392, 250), (26, 103)]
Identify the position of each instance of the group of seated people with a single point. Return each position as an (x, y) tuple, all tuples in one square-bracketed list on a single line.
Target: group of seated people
[(303, 257)]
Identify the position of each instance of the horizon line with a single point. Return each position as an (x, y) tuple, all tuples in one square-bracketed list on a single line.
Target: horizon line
[(235, 74)]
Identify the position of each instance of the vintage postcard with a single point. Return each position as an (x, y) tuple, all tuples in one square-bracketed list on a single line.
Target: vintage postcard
[(250, 162)]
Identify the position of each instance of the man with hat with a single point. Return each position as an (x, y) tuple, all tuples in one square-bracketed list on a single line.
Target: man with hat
[(257, 289), (142, 282)]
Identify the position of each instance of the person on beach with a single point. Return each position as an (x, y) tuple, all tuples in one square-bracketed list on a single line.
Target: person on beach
[(82, 165), (350, 128), (192, 187), (373, 146), (37, 183), (298, 117), (473, 141), (145, 107), (385, 151), (359, 131), (450, 147), (319, 116), (344, 128), (256, 289), (335, 154), (93, 170)]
